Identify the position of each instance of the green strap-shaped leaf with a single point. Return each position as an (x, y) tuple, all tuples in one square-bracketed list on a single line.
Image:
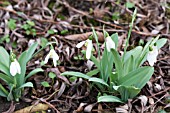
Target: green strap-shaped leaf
[(20, 78), (31, 50), (109, 98), (4, 57), (93, 72), (136, 52), (4, 69), (127, 92), (28, 84), (95, 61), (3, 91), (23, 59), (98, 80), (76, 74), (4, 61), (137, 78), (129, 65), (6, 78), (118, 64), (34, 72), (161, 42), (106, 65)]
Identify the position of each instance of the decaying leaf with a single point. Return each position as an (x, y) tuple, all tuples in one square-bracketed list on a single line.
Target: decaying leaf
[(33, 108)]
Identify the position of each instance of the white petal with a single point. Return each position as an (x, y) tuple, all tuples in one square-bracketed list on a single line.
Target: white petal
[(55, 57), (13, 69), (89, 49), (152, 56), (47, 58), (79, 45), (17, 66), (109, 43), (107, 46)]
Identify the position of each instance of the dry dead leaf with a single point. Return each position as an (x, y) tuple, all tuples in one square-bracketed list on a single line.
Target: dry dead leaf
[(84, 36), (33, 108)]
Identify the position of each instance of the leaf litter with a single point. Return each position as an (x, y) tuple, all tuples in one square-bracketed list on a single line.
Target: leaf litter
[(70, 22)]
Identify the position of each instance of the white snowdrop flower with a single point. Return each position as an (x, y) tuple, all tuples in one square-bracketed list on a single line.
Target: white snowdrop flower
[(88, 43), (109, 43), (152, 56), (15, 67), (79, 45), (52, 54)]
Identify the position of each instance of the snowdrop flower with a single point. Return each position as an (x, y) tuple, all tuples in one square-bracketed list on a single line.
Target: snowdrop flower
[(88, 43), (152, 55), (109, 43), (15, 67), (52, 54)]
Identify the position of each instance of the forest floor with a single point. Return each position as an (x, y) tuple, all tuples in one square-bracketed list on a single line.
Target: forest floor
[(71, 21)]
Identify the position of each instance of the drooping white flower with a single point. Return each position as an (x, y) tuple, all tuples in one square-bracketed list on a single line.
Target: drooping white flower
[(15, 68), (79, 45), (109, 44), (52, 54), (152, 56), (88, 43)]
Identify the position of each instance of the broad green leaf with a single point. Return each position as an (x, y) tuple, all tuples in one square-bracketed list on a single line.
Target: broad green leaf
[(137, 78), (93, 72), (45, 84), (3, 91), (136, 52), (22, 61), (118, 63), (28, 84), (76, 74), (11, 24), (161, 111), (129, 65), (142, 57), (52, 75), (115, 39), (4, 69), (10, 95), (51, 31), (31, 23), (98, 80), (4, 57), (129, 5), (161, 42), (6, 78), (127, 92), (113, 78), (44, 42), (31, 50), (34, 72), (109, 98), (106, 65), (65, 31)]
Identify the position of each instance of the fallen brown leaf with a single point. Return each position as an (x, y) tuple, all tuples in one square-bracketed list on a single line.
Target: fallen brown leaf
[(33, 108)]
